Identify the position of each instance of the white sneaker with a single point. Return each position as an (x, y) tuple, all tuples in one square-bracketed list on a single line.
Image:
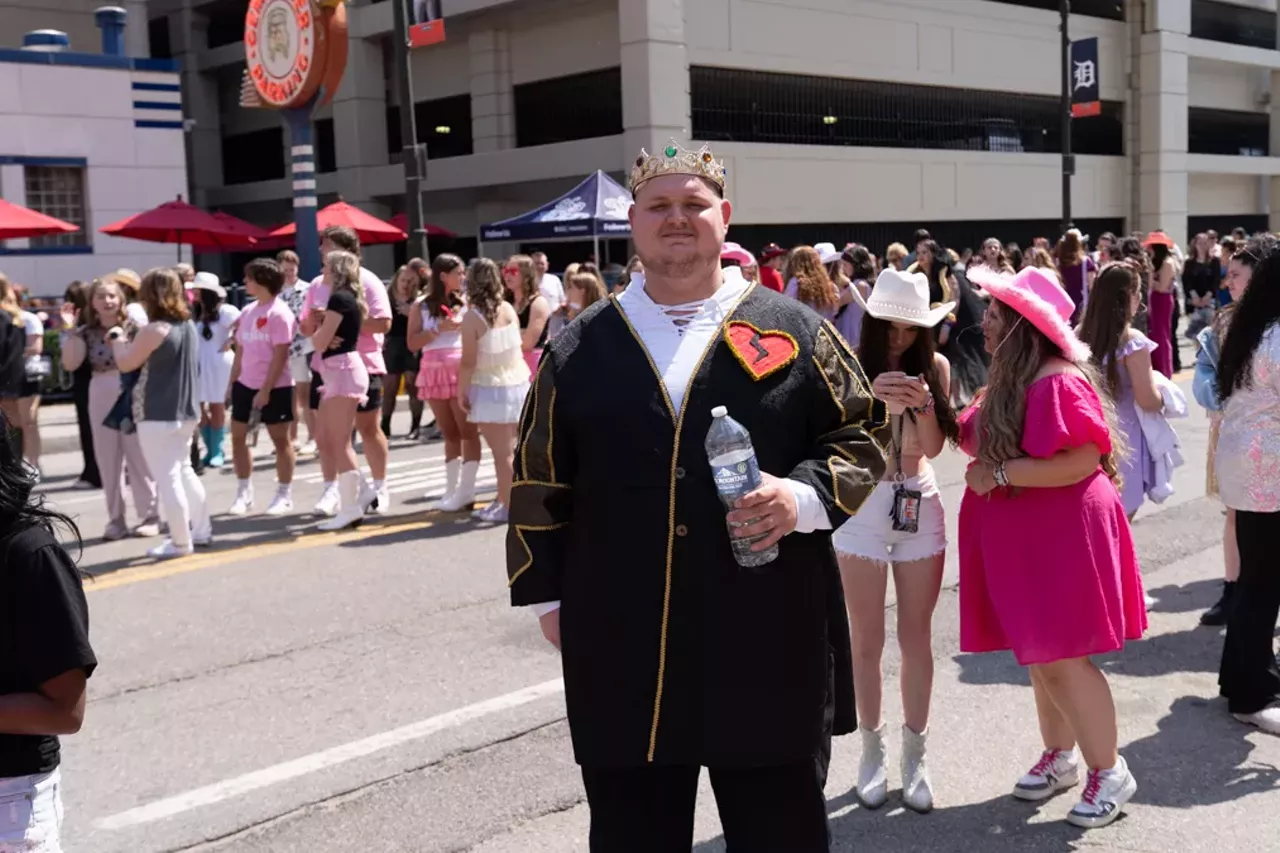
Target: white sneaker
[(281, 504), (205, 541), (873, 769), (1105, 794), (917, 789), (494, 513), (1268, 719), (329, 500), (1057, 770), (1148, 600), (242, 504), (383, 501), (168, 551), (147, 529), (307, 448)]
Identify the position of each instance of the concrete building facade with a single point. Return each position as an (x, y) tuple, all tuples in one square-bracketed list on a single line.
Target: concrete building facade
[(837, 119), (89, 138)]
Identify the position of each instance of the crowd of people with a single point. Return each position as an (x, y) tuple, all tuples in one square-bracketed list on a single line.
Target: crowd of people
[(1051, 369)]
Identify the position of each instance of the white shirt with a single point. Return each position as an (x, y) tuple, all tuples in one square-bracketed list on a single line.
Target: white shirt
[(32, 326), (675, 337), (552, 290), (135, 312)]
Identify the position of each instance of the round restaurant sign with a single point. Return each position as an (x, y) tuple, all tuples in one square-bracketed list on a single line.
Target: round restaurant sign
[(280, 43)]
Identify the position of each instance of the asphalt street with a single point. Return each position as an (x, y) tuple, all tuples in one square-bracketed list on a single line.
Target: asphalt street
[(298, 692)]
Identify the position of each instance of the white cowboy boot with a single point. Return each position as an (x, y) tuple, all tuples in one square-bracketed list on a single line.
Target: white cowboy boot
[(351, 512), (917, 790), (464, 497), (873, 770), (452, 469)]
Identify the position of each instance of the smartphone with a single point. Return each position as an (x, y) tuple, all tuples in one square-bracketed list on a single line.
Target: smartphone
[(447, 312)]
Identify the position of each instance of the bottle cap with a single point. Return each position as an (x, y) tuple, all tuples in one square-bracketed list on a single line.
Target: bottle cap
[(719, 412)]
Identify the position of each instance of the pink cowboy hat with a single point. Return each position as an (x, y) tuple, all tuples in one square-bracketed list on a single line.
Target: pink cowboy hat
[(734, 252), (1040, 300)]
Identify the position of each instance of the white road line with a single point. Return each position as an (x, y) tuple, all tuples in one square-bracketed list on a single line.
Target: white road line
[(171, 806)]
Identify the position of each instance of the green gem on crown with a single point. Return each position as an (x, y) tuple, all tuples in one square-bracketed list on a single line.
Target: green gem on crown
[(671, 151)]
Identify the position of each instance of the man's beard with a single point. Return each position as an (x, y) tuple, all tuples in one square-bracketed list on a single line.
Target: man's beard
[(677, 265)]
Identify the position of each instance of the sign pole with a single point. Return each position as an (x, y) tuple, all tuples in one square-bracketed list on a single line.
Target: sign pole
[(413, 156), (1068, 160), (303, 157)]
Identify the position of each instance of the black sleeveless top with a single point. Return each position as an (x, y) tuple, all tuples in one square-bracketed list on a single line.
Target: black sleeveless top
[(524, 324)]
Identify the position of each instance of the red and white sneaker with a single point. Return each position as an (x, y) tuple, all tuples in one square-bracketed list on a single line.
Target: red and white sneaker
[(1105, 794), (1057, 770)]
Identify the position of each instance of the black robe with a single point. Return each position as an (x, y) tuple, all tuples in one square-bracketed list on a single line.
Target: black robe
[(672, 653)]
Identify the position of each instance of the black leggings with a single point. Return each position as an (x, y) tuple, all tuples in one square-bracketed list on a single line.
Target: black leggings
[(1248, 677)]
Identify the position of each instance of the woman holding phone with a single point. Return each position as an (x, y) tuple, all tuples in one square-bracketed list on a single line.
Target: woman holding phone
[(901, 525)]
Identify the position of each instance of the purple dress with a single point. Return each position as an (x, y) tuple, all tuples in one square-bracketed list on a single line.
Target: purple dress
[(1160, 326), (1137, 468)]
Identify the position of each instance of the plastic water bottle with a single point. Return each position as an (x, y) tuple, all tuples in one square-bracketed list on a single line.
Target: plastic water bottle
[(733, 465)]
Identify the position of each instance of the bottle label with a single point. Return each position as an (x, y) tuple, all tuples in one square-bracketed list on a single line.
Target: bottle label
[(735, 480)]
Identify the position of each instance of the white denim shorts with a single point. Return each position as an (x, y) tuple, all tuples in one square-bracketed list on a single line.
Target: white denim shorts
[(869, 534), (31, 813)]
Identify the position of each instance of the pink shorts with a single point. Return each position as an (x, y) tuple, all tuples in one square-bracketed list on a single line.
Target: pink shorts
[(438, 374), (344, 376)]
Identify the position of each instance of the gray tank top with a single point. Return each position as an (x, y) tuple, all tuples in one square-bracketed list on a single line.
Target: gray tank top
[(166, 386)]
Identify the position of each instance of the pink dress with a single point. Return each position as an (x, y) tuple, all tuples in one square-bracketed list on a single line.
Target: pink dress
[(1050, 573)]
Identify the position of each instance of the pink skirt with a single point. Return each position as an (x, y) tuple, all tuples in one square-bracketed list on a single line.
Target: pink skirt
[(438, 374), (531, 358), (344, 376)]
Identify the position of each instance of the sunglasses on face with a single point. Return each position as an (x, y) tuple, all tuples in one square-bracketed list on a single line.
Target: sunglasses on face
[(510, 270)]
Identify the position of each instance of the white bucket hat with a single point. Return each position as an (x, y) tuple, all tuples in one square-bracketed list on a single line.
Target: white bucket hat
[(827, 253), (209, 281), (901, 297)]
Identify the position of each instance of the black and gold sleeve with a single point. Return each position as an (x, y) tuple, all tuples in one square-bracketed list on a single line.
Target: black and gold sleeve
[(541, 495), (846, 462)]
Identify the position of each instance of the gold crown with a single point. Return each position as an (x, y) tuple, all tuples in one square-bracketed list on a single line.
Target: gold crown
[(674, 160)]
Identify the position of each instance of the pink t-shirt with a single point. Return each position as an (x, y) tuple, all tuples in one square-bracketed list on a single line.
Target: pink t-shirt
[(379, 303), (261, 329)]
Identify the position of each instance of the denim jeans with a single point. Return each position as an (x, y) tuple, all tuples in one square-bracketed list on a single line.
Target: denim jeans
[(31, 813)]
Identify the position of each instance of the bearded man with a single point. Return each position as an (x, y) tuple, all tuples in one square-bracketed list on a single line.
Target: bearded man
[(675, 657)]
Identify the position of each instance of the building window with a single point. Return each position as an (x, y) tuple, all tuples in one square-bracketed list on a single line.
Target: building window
[(226, 21), (158, 36), (58, 191), (1112, 9), (1240, 134), (755, 106), (251, 157), (581, 106), (444, 125), (1228, 22), (326, 146)]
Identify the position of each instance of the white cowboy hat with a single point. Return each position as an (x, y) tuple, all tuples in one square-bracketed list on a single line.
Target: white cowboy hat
[(901, 297), (208, 281), (827, 253)]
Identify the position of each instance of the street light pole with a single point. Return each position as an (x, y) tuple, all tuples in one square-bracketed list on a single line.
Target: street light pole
[(1068, 159), (414, 156)]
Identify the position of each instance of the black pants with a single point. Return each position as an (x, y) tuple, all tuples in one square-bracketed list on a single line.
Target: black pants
[(1248, 676), (80, 395), (1173, 339), (762, 810)]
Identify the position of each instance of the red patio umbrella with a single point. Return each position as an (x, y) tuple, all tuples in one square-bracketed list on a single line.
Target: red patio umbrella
[(17, 222), (401, 221), (370, 229), (254, 236), (181, 223)]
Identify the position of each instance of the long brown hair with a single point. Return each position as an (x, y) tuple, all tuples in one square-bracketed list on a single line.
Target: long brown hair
[(485, 290), (528, 279), (814, 286), (918, 360), (1070, 250), (1014, 367), (1107, 315), (591, 286), (163, 296), (437, 295), (90, 316)]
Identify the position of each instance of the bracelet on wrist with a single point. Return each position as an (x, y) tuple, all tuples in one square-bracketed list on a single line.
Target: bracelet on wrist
[(928, 408), (1001, 476)]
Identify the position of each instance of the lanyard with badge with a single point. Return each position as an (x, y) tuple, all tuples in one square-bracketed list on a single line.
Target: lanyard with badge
[(906, 502)]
